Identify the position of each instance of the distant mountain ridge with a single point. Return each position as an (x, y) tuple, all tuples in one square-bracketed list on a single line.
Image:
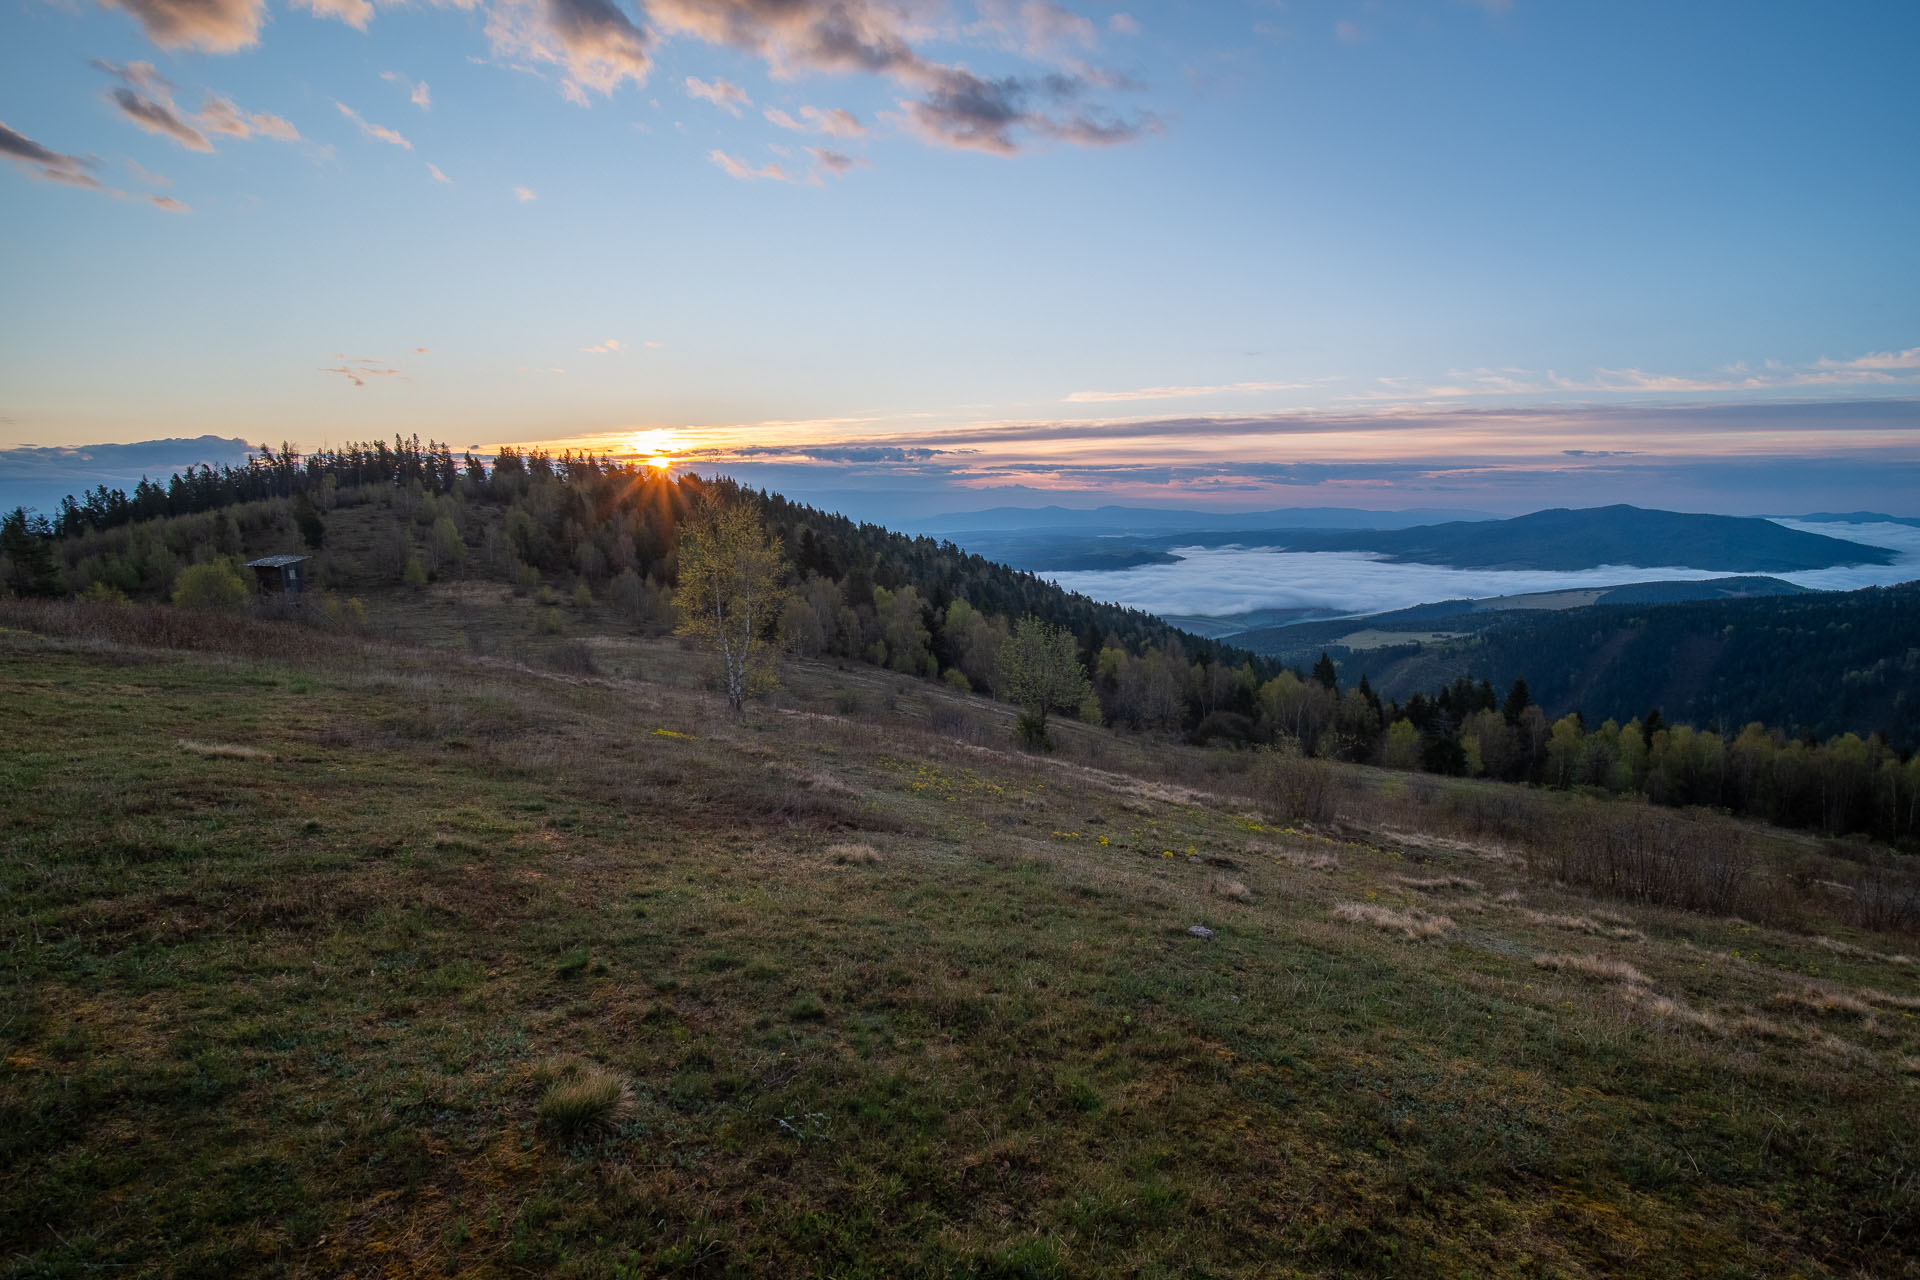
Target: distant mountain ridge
[(1147, 520), (1567, 539)]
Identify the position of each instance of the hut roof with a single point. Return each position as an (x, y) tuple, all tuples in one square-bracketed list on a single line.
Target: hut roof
[(274, 562)]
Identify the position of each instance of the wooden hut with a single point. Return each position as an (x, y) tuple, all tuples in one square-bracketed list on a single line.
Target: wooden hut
[(280, 574)]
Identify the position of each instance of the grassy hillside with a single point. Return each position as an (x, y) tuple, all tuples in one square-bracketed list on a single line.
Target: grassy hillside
[(330, 956)]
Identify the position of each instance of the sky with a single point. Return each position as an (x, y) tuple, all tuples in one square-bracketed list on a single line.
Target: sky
[(902, 258)]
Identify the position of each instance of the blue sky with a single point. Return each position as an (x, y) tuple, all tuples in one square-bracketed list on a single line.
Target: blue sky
[(1369, 253)]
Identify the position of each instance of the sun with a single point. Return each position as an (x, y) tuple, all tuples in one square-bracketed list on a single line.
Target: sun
[(655, 447)]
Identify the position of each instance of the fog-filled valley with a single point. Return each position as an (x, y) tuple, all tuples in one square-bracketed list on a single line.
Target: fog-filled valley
[(1221, 582)]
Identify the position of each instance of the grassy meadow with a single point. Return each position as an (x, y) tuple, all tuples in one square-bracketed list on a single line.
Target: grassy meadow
[(481, 949)]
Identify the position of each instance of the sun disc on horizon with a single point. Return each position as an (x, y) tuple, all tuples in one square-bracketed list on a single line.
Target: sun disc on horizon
[(655, 447)]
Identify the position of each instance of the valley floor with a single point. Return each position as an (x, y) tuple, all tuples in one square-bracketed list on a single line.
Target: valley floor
[(302, 930)]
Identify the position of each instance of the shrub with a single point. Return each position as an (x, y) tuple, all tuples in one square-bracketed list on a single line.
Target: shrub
[(1885, 902), (575, 657), (1298, 788), (1659, 858), (954, 722), (213, 585), (1030, 731)]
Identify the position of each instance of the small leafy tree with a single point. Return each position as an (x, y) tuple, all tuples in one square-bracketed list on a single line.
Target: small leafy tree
[(732, 592), (1041, 673), (213, 585)]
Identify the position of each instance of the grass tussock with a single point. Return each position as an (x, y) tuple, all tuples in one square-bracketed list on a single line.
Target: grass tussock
[(1413, 922), (583, 1098), (854, 855), (1229, 888), (1599, 968)]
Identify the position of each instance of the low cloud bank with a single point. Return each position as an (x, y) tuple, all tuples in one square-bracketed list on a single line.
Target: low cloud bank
[(37, 477), (1224, 581)]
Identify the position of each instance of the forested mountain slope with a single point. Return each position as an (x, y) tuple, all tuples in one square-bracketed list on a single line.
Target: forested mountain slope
[(376, 515), (1821, 663)]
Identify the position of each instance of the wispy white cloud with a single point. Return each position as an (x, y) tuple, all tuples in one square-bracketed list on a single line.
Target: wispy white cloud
[(212, 26), (438, 176), (835, 162), (734, 167), (379, 133), (1877, 360), (1038, 28), (609, 347), (143, 174), (728, 97), (1182, 393), (219, 115), (359, 368), (417, 92), (594, 42), (951, 105), (49, 165), (355, 13), (835, 121), (146, 98), (524, 194), (158, 117)]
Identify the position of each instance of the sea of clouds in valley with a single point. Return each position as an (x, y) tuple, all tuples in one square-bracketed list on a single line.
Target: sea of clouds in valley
[(1224, 581)]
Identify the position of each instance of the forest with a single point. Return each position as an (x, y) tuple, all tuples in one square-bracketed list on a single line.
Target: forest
[(1820, 663), (582, 529)]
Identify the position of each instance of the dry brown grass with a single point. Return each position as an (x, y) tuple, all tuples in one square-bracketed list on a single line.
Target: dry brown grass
[(1413, 922), (854, 855), (1228, 887), (1590, 924), (223, 750), (1824, 1004), (1601, 968), (1431, 883), (1669, 1008), (823, 783)]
